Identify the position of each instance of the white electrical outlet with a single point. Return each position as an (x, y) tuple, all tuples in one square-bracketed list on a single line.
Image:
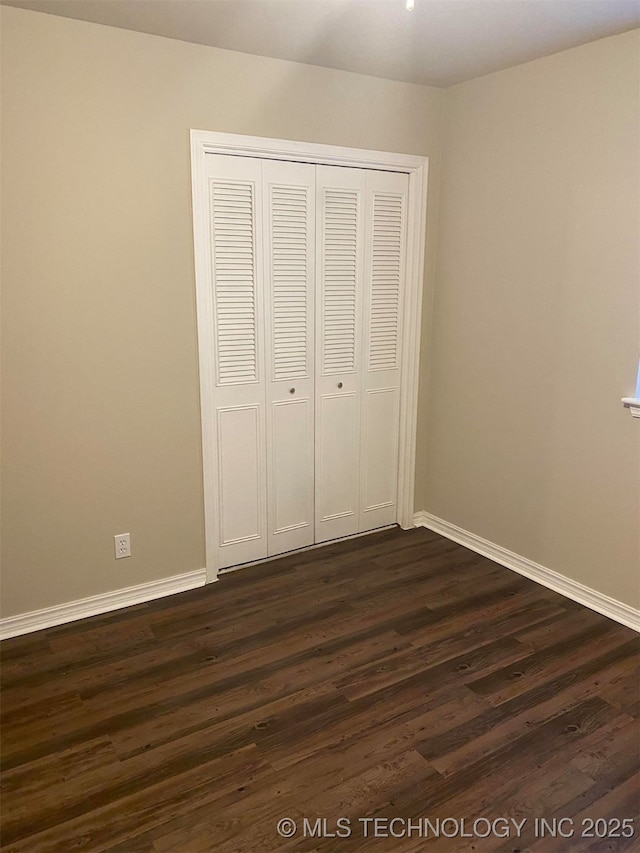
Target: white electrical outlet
[(122, 545)]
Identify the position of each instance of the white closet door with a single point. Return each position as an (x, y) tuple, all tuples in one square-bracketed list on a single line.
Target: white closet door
[(234, 190), (385, 248), (340, 203), (289, 238)]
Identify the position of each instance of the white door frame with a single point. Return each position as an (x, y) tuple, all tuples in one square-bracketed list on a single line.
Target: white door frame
[(205, 142)]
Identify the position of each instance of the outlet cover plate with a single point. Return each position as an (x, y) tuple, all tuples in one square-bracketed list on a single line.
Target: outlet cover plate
[(122, 544)]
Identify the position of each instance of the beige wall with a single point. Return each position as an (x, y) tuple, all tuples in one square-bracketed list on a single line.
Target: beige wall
[(101, 429), (535, 320), (537, 315)]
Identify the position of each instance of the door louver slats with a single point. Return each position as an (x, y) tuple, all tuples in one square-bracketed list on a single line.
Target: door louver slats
[(386, 270), (233, 245), (339, 273), (289, 253)]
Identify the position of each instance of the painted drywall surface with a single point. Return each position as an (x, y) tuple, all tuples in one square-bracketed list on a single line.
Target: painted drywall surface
[(101, 419), (537, 315)]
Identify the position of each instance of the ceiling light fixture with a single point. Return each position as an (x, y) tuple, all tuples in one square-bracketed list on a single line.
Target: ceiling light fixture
[(410, 5)]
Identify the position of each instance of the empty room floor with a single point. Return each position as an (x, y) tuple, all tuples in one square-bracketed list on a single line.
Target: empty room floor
[(391, 692)]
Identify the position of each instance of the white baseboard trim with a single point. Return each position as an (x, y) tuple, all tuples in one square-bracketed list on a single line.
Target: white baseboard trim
[(611, 607), (25, 623)]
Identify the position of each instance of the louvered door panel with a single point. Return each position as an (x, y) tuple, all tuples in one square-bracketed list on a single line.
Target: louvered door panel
[(340, 246), (386, 272), (339, 279), (234, 271), (239, 439), (385, 229), (290, 280), (289, 217)]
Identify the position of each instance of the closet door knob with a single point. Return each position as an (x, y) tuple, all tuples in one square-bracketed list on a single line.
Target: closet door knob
[(292, 390), (339, 384)]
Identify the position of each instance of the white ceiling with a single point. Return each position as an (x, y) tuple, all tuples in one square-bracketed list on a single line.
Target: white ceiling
[(440, 43)]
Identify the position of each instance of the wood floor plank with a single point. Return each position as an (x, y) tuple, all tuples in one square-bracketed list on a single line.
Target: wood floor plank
[(621, 801), (512, 798), (297, 786), (624, 691), (392, 675), (567, 629), (97, 676), (100, 826), (521, 756), (76, 773), (610, 751), (463, 667), (512, 680), (496, 729)]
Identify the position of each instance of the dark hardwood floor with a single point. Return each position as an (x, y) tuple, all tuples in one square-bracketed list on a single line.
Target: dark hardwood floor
[(396, 676)]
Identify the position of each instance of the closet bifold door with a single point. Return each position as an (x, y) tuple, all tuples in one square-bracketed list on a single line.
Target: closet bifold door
[(385, 249), (239, 433), (340, 195), (288, 204)]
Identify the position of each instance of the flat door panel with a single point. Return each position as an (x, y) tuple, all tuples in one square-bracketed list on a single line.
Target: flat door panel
[(289, 275), (385, 247), (340, 246), (379, 457), (240, 483), (292, 488), (337, 497), (234, 189)]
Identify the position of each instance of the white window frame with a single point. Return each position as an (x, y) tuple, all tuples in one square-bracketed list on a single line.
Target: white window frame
[(205, 142)]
